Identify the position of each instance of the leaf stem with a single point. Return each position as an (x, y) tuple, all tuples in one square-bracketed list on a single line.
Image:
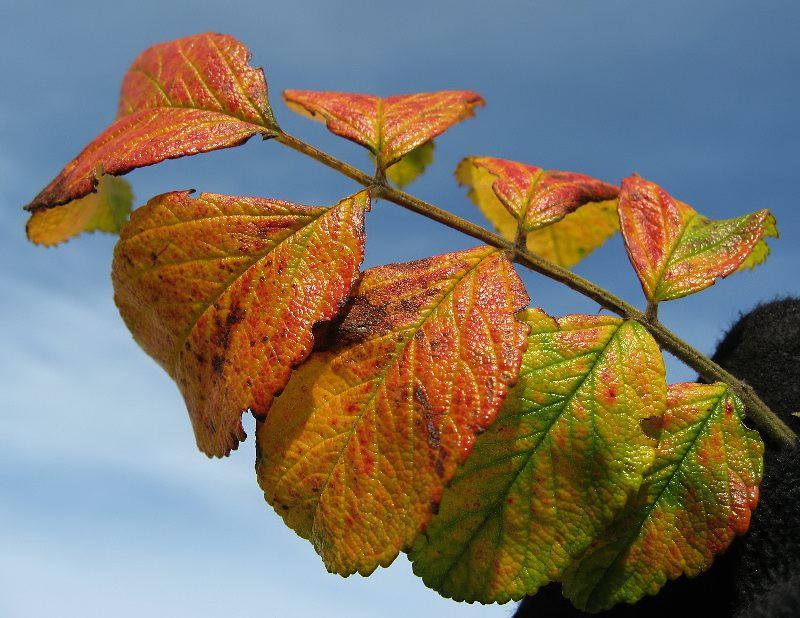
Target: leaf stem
[(324, 158), (757, 410)]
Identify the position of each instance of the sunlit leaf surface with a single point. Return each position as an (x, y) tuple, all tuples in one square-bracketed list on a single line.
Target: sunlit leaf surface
[(106, 210), (698, 494), (389, 127), (675, 251), (178, 98), (223, 292), (562, 459), (356, 451)]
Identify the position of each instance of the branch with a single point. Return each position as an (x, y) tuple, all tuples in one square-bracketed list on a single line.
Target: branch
[(757, 410)]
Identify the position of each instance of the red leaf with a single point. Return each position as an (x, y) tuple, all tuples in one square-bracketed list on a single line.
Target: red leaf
[(537, 197), (180, 98), (390, 127), (676, 251)]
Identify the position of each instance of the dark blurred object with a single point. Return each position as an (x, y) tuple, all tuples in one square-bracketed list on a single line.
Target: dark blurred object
[(759, 575)]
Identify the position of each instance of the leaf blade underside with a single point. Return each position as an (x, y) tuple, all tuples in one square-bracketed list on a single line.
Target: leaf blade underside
[(105, 210), (697, 496), (412, 165), (675, 251), (179, 98), (562, 458), (356, 451), (223, 293)]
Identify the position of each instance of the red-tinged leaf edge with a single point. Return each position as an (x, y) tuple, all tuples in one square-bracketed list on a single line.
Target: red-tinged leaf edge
[(537, 197), (159, 117), (390, 127), (675, 251)]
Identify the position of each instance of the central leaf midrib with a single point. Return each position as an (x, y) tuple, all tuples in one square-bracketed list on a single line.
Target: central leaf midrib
[(665, 266)]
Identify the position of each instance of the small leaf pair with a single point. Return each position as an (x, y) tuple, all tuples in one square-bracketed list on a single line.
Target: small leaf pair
[(397, 130), (564, 216), (180, 98)]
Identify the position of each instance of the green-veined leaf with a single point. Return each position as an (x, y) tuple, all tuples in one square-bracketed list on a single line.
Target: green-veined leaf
[(562, 459), (698, 494), (675, 251), (356, 451)]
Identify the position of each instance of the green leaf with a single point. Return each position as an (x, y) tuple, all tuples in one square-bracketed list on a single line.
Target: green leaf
[(562, 459), (698, 494), (411, 165), (104, 211)]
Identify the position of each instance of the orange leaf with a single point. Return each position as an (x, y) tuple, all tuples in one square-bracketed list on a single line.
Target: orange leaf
[(223, 293), (390, 127), (357, 450), (184, 97), (675, 251)]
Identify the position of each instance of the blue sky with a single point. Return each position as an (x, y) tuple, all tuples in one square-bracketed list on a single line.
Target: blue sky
[(106, 507)]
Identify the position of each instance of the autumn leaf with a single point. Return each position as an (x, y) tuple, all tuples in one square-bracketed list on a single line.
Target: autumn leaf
[(564, 215), (675, 251), (698, 494), (533, 196), (356, 451), (388, 127), (223, 293), (179, 98), (562, 459), (106, 210)]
